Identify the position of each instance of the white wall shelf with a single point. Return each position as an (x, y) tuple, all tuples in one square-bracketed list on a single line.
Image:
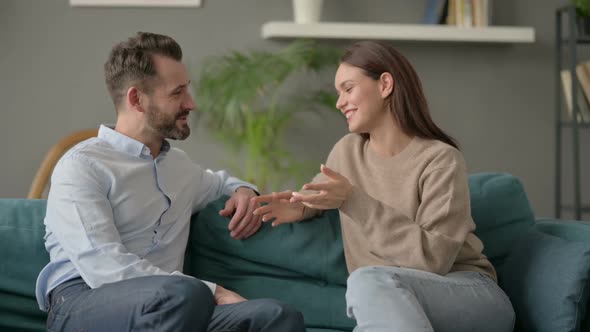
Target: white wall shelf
[(408, 32)]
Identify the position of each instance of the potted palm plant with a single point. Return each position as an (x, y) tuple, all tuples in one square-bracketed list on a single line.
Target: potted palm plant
[(242, 102), (582, 16)]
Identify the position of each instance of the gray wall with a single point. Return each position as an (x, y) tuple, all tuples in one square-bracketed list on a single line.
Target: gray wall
[(496, 99)]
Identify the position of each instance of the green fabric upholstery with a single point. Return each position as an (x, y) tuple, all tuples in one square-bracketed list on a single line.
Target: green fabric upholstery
[(501, 211), (23, 257), (526, 276), (301, 264)]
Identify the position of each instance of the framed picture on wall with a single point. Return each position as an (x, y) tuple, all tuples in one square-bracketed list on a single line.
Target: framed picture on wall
[(136, 3)]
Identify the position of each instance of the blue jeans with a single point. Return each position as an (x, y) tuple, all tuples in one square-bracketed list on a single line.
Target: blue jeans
[(384, 298), (162, 303)]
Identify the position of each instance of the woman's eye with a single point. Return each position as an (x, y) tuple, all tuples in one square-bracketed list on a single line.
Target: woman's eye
[(348, 89)]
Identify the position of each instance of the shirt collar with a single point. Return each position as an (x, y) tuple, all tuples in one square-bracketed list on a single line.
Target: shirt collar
[(125, 143)]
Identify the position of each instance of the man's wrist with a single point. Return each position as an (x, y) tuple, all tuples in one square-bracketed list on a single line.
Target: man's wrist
[(302, 213), (249, 188)]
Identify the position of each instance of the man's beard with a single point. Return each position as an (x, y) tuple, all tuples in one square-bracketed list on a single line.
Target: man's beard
[(165, 125)]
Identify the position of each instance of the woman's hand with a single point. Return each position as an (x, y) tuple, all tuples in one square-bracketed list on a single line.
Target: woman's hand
[(331, 194), (279, 208)]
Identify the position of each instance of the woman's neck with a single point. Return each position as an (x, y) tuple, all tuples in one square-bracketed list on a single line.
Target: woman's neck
[(388, 139)]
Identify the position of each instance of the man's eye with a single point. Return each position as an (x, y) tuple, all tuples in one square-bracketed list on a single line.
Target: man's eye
[(348, 89)]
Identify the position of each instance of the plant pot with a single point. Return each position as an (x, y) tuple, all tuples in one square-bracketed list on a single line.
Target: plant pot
[(307, 11), (583, 23)]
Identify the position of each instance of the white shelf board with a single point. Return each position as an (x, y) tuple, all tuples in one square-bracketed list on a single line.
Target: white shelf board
[(409, 32)]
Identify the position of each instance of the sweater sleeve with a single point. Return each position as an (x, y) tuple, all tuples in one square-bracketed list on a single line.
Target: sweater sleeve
[(309, 213), (432, 241)]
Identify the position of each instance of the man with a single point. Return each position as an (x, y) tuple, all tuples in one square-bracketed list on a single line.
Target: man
[(119, 210)]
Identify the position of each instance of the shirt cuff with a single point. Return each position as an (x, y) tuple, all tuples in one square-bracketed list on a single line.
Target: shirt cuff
[(231, 189), (247, 187), (212, 286)]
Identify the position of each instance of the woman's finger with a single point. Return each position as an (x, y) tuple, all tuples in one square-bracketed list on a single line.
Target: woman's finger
[(318, 186), (310, 198), (268, 217), (263, 210)]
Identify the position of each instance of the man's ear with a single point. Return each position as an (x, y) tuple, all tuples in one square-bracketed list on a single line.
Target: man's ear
[(386, 84), (134, 99)]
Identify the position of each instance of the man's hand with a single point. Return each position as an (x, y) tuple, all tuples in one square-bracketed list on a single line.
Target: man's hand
[(244, 223), (224, 296)]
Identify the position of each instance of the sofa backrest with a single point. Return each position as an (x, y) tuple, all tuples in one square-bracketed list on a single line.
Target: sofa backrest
[(309, 254), (23, 257), (501, 211)]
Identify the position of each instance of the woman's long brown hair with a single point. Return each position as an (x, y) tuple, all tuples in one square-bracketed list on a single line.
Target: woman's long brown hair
[(407, 102)]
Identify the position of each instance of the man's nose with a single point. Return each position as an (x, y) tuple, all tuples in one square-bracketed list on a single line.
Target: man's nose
[(189, 103)]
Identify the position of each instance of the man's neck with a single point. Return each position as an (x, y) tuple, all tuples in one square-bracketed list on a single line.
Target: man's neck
[(141, 134)]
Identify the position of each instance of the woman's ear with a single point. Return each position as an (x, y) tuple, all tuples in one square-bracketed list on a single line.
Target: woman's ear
[(386, 84)]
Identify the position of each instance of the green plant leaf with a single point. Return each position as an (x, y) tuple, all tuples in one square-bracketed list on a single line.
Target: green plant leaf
[(240, 97)]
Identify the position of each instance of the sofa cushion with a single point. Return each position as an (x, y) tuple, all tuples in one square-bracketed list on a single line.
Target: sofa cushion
[(501, 211), (546, 279), (23, 257), (301, 264)]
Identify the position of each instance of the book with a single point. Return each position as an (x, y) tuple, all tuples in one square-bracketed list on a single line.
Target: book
[(435, 11), (566, 82), (583, 73), (468, 13)]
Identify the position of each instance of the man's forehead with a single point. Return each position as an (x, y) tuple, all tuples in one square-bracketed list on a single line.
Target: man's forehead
[(171, 71)]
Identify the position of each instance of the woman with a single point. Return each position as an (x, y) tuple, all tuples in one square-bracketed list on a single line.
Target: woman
[(400, 185)]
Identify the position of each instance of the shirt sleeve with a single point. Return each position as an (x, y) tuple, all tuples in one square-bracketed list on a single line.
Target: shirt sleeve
[(433, 240), (212, 185), (80, 216)]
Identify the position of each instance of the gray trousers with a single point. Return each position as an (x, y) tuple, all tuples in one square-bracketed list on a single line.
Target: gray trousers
[(162, 303), (383, 298)]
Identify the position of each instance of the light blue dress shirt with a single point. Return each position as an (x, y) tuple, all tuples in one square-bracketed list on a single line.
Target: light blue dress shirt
[(115, 213)]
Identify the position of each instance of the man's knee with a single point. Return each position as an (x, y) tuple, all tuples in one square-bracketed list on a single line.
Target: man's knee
[(279, 315), (179, 304), (189, 293)]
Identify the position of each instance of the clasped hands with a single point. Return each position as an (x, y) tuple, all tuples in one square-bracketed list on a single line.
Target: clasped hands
[(283, 207), (288, 206)]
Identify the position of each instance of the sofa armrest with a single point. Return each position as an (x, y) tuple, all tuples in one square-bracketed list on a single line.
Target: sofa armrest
[(571, 230), (546, 276)]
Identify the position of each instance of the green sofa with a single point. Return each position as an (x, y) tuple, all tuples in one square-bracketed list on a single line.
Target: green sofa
[(542, 264)]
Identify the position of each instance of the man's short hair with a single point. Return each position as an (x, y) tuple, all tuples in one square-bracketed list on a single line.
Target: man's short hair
[(131, 62)]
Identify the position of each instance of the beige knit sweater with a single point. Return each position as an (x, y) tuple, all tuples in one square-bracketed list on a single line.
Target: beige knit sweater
[(411, 210)]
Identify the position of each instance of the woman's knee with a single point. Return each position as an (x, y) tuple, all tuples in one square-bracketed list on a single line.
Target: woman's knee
[(373, 282), (368, 277)]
